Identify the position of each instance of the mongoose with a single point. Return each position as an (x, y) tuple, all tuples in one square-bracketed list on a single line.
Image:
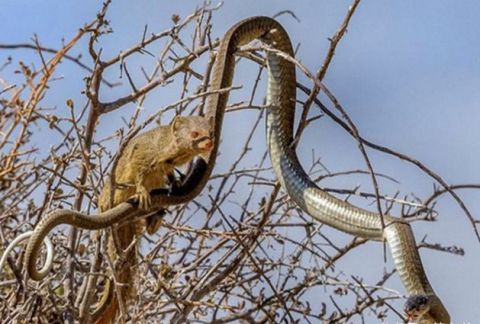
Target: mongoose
[(145, 164)]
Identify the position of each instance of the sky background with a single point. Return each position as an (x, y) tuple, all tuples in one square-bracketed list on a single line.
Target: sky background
[(407, 72)]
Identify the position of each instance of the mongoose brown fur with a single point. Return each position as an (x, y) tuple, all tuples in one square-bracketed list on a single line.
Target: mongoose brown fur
[(146, 163)]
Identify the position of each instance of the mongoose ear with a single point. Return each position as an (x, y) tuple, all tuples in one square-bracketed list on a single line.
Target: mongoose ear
[(177, 122)]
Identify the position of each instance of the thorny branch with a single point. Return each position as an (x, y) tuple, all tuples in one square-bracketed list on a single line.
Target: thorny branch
[(241, 251)]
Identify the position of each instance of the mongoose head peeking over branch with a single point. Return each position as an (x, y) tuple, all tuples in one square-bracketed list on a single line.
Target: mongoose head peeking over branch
[(192, 134)]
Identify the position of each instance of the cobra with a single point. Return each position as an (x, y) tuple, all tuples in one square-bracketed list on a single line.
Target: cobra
[(304, 192)]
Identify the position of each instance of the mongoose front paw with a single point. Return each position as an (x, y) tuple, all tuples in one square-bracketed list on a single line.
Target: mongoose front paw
[(143, 198)]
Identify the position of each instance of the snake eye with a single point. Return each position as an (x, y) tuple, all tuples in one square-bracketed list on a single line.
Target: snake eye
[(194, 134)]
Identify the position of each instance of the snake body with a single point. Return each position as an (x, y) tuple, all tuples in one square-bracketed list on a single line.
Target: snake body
[(25, 236), (306, 194)]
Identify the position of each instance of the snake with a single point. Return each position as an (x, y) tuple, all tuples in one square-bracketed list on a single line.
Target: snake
[(280, 112)]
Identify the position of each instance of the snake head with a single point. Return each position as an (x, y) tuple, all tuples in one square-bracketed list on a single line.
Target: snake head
[(416, 306)]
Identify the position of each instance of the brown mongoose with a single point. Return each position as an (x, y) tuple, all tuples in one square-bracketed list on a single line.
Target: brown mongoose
[(146, 163)]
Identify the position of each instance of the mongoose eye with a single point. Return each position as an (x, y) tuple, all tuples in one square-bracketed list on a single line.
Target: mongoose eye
[(194, 134)]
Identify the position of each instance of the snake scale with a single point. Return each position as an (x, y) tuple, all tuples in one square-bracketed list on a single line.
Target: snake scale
[(281, 94)]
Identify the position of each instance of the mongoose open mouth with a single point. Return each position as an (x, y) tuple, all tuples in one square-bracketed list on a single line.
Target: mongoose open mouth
[(204, 143)]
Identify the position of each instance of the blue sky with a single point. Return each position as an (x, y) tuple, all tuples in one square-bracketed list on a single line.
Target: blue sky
[(407, 72)]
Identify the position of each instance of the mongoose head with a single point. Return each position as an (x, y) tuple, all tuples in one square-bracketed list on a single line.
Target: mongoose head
[(193, 134)]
